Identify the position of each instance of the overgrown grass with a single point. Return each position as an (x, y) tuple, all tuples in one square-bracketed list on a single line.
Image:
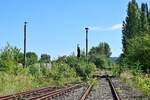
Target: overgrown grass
[(133, 76), (34, 77), (139, 81), (10, 83)]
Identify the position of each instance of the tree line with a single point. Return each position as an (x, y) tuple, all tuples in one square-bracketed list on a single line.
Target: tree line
[(136, 37), (13, 56)]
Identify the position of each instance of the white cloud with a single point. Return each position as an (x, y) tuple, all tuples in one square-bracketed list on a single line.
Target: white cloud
[(115, 27), (111, 28)]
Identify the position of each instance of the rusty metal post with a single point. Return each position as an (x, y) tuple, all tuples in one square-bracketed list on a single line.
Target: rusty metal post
[(86, 29)]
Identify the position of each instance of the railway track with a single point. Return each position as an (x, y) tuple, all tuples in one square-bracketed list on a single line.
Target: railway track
[(111, 88), (114, 92), (86, 93), (40, 94), (126, 92), (107, 90), (26, 93)]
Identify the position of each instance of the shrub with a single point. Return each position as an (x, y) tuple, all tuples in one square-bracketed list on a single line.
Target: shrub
[(85, 70), (32, 58), (116, 70), (62, 73), (9, 58), (35, 71), (139, 51)]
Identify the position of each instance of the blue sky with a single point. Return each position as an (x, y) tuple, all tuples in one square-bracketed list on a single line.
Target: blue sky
[(57, 26)]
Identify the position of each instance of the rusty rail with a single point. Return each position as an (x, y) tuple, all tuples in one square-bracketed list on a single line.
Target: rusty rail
[(84, 96), (26, 93), (113, 90), (54, 93), (44, 93)]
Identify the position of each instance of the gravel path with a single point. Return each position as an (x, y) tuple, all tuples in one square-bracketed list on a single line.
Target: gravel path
[(102, 92), (73, 95)]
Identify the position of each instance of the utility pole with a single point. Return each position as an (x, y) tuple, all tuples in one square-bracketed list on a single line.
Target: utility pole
[(86, 29), (24, 64)]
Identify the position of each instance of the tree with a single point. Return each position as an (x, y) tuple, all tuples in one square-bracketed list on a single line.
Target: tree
[(102, 49), (32, 58), (136, 37), (149, 19), (100, 55), (144, 17), (140, 52), (21, 58), (133, 19), (9, 58), (45, 58), (107, 50), (131, 26)]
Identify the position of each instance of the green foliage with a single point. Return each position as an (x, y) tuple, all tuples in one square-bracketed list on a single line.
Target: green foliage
[(32, 58), (139, 81), (116, 70), (143, 83), (85, 70), (62, 73), (20, 58), (144, 17), (132, 19), (45, 58), (45, 71), (72, 61), (136, 37), (79, 65), (61, 59), (10, 83), (66, 69), (102, 49), (14, 78), (139, 52), (100, 55), (131, 26), (9, 58), (34, 71)]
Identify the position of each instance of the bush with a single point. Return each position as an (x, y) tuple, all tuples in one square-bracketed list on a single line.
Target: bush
[(140, 81), (116, 70), (85, 71), (9, 58), (71, 61), (32, 58), (10, 83), (35, 71), (62, 73), (45, 58), (139, 51)]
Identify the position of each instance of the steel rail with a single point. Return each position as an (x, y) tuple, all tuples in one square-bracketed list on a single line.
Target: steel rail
[(113, 90), (26, 93), (84, 96), (54, 93)]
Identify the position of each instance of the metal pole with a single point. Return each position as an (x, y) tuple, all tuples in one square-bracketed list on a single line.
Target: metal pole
[(25, 23), (87, 43)]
